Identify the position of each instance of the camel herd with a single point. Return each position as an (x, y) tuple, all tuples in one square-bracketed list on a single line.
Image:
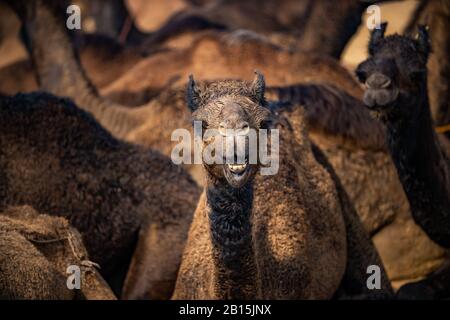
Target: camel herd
[(87, 179)]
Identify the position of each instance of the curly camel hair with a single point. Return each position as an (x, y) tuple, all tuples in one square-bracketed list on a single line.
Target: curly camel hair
[(291, 235)]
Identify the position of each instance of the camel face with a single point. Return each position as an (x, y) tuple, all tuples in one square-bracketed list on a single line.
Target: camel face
[(232, 120), (395, 71)]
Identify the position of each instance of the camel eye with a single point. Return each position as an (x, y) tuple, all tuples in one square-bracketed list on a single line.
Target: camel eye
[(361, 75)]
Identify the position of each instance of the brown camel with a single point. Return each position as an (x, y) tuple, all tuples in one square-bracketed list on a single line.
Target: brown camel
[(397, 92), (290, 235), (395, 75), (128, 203), (35, 253)]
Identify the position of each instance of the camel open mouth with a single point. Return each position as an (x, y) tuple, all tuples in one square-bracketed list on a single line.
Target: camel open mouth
[(380, 98), (237, 174)]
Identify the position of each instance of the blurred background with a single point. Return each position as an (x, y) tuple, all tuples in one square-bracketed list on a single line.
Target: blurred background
[(150, 15), (120, 41)]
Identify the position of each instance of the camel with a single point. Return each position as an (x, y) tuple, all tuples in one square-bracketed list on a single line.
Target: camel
[(395, 75), (354, 144), (436, 14), (132, 206), (288, 235), (369, 176), (399, 98), (35, 253)]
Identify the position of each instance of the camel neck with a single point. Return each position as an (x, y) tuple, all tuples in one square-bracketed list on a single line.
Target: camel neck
[(58, 67), (422, 168), (50, 47), (231, 236)]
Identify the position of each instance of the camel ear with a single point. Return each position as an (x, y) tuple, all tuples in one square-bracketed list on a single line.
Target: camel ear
[(423, 40), (376, 36), (258, 86), (192, 94)]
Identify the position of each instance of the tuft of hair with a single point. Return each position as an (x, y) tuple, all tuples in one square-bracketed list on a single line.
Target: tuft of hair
[(192, 94), (423, 41)]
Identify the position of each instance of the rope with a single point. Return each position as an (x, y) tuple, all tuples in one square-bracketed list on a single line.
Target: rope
[(48, 241), (69, 238)]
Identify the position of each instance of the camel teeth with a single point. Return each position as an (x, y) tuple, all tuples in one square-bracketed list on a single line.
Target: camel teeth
[(237, 168)]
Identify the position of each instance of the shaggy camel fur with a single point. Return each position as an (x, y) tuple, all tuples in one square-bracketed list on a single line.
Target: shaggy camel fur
[(395, 75), (292, 235), (368, 175), (396, 79), (35, 251), (128, 203)]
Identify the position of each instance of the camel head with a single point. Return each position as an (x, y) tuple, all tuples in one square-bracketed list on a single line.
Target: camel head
[(232, 114), (394, 74)]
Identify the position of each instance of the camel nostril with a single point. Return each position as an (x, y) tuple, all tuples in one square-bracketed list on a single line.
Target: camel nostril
[(244, 130), (386, 83), (378, 81), (223, 128)]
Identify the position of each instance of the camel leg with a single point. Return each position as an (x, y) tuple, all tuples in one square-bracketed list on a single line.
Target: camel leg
[(155, 263), (361, 252)]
